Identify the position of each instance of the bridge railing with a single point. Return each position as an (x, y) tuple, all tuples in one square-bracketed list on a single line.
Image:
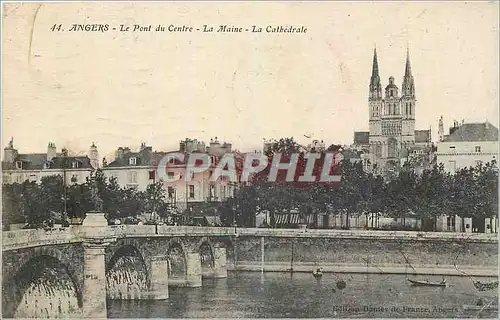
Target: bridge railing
[(12, 240), (37, 237), (131, 230), (191, 230)]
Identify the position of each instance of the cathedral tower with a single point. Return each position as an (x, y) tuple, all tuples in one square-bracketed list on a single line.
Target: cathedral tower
[(408, 101), (375, 106), (375, 91)]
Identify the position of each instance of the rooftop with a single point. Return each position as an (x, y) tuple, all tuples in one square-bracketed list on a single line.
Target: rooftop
[(473, 132)]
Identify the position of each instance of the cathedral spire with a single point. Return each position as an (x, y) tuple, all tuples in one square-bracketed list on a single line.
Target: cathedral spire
[(408, 65), (375, 79), (375, 86), (408, 82)]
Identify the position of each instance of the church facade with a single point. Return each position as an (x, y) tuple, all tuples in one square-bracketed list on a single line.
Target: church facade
[(392, 138)]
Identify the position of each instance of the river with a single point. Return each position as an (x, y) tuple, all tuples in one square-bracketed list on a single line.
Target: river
[(280, 295)]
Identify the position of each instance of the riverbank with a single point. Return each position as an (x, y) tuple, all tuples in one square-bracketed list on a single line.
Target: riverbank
[(373, 269)]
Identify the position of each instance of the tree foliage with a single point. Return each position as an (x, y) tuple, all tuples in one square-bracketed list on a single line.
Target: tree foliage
[(37, 204), (470, 192)]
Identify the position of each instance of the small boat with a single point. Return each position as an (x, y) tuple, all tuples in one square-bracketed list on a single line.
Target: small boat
[(427, 283), (317, 273), (485, 286)]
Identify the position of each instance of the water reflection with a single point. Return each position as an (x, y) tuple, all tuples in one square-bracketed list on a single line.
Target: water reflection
[(278, 295)]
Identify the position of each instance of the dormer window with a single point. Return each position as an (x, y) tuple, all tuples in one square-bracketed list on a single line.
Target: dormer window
[(132, 161), (19, 164), (46, 165), (74, 164)]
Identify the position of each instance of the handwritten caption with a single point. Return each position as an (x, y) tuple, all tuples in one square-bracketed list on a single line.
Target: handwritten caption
[(172, 28)]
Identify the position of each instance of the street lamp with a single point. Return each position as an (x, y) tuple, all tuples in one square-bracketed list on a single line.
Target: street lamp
[(65, 195), (235, 206)]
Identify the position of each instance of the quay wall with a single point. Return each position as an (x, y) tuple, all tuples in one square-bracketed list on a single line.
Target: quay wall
[(452, 255)]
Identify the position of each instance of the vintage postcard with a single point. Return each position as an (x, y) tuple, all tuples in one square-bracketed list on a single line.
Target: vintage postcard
[(250, 159)]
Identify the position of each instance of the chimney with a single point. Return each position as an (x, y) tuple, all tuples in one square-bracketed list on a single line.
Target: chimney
[(51, 151), (119, 153), (486, 125)]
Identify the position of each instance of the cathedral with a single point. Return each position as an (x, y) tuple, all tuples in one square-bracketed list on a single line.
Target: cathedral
[(392, 138)]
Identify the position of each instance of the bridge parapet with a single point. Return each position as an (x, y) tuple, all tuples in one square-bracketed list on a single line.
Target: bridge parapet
[(195, 231), (130, 230), (12, 240)]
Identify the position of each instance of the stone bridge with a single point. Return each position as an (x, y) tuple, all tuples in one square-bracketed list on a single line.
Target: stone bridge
[(73, 271)]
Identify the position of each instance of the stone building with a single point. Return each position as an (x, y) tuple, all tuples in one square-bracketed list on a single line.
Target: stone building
[(391, 118), (19, 167), (138, 169), (467, 145)]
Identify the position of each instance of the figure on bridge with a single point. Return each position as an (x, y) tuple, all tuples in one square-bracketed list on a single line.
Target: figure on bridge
[(95, 196)]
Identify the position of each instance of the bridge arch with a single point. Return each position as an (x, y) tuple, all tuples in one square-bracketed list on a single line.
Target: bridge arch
[(205, 248), (127, 274), (177, 259), (44, 286)]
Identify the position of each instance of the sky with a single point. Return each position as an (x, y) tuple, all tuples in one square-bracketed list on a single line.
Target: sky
[(123, 88)]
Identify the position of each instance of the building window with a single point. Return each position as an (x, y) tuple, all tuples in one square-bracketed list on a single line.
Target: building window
[(19, 164), (170, 192), (170, 175), (132, 161), (152, 175), (74, 165), (452, 147), (19, 179), (74, 178), (478, 148), (132, 177), (6, 178), (212, 192), (191, 191), (33, 177)]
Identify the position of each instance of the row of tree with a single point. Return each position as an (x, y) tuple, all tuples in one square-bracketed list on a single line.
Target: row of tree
[(37, 204), (470, 192)]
